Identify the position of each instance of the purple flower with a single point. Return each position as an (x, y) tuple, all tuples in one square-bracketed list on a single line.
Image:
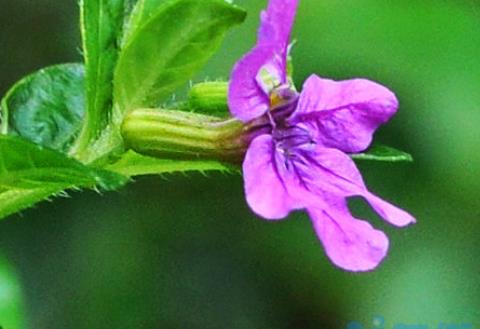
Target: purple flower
[(298, 159)]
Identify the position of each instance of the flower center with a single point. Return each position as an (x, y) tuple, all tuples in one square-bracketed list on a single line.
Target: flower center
[(282, 95), (290, 137), (275, 100), (293, 144), (279, 90)]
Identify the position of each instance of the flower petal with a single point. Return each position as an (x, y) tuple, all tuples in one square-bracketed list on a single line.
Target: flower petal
[(277, 22), (392, 214), (265, 189), (350, 243), (345, 114), (246, 99), (330, 172), (248, 96)]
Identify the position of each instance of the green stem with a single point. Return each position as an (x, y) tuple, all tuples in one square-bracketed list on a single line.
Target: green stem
[(178, 134)]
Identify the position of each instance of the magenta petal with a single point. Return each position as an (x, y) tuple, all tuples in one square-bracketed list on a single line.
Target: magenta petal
[(246, 99), (389, 212), (345, 114), (350, 243), (330, 171), (277, 22), (333, 173), (265, 191)]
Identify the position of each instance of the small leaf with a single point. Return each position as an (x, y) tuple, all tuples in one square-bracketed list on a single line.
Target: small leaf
[(101, 24), (378, 152), (168, 46), (47, 106), (134, 164), (30, 173)]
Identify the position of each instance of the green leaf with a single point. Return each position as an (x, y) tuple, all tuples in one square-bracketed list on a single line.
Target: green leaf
[(378, 152), (101, 24), (46, 107), (30, 173), (13, 200), (168, 46), (24, 165), (139, 15), (128, 6), (134, 164)]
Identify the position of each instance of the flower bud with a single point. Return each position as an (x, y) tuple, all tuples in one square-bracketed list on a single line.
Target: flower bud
[(179, 134), (210, 98)]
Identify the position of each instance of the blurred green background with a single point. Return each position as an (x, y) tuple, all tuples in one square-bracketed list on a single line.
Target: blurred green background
[(186, 252)]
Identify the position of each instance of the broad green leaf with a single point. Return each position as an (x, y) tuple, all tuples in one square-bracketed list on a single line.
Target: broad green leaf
[(101, 25), (378, 152), (46, 107), (139, 15), (12, 310), (134, 164), (30, 173), (166, 50)]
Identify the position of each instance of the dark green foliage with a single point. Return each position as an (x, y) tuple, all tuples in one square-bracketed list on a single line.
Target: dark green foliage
[(47, 106)]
